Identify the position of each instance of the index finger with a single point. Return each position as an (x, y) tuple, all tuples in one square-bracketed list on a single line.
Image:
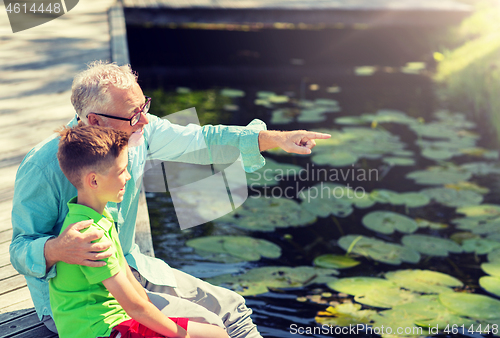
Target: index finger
[(93, 234), (314, 135)]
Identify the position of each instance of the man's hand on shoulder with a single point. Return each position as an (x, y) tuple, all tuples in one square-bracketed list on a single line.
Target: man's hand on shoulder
[(75, 247), (295, 141)]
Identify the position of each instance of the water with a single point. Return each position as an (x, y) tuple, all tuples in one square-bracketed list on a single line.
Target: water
[(225, 59)]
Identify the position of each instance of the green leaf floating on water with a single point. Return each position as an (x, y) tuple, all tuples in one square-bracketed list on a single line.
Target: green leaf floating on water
[(453, 198), (490, 284), (344, 314), (378, 250), (491, 268), (424, 281), (266, 214), (335, 261), (386, 222), (326, 199), (241, 247), (480, 246), (439, 176), (423, 223), (272, 172), (259, 280), (410, 199), (481, 211), (232, 93), (494, 256), (471, 305), (430, 245), (359, 285), (335, 158), (402, 161)]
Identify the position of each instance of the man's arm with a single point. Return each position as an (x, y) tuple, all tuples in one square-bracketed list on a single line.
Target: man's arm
[(295, 141), (141, 309)]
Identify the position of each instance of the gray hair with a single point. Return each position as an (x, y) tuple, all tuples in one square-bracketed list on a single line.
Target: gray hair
[(90, 87)]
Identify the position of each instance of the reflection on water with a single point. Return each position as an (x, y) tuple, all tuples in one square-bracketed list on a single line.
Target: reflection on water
[(277, 311)]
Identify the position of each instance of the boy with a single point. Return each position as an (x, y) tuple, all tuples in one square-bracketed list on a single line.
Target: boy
[(105, 301)]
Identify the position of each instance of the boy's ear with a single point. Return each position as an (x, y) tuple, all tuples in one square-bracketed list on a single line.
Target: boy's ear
[(90, 180)]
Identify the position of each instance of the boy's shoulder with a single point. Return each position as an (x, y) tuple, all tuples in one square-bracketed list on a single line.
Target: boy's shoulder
[(78, 212)]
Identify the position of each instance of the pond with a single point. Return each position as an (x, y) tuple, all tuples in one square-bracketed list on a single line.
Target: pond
[(392, 222)]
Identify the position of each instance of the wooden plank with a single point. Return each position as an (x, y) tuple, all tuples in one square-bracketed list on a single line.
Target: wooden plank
[(7, 317), (24, 304), (308, 4), (4, 254), (118, 33), (268, 17), (7, 271), (5, 235), (11, 284), (9, 301), (21, 324), (37, 332)]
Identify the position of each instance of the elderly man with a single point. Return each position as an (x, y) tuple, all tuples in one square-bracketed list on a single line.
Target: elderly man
[(108, 95)]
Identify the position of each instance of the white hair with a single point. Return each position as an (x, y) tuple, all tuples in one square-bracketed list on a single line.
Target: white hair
[(90, 88)]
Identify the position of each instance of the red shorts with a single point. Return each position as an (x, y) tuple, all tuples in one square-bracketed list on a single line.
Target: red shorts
[(133, 329)]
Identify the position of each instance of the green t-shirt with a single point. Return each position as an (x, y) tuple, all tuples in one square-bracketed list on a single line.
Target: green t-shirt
[(81, 305)]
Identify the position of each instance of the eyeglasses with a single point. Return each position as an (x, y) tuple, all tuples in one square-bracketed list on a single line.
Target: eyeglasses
[(135, 118)]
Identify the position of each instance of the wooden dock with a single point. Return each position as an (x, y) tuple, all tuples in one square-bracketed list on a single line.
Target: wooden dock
[(266, 13), (37, 67)]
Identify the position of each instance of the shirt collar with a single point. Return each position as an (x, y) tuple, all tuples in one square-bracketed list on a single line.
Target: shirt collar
[(78, 209)]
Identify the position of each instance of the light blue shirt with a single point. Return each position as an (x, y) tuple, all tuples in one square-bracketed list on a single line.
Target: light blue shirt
[(42, 191)]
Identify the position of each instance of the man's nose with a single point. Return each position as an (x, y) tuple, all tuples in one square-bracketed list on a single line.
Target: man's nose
[(143, 119)]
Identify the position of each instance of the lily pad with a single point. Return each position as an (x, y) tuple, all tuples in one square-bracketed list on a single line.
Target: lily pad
[(241, 247), (463, 185), (335, 261), (259, 280), (402, 161), (378, 250), (423, 223), (344, 314), (424, 281), (453, 198), (438, 176), (359, 285), (490, 284), (430, 245), (232, 93), (266, 214), (386, 297), (483, 210), (335, 158), (491, 269), (480, 246), (326, 199), (272, 172), (471, 305), (386, 222)]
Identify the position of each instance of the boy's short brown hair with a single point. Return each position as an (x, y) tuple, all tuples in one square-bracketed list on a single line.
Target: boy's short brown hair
[(85, 147)]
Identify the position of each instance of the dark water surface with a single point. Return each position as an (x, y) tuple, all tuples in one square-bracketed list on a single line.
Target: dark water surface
[(267, 61)]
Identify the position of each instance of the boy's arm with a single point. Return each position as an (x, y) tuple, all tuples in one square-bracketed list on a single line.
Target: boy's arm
[(140, 309), (137, 286)]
